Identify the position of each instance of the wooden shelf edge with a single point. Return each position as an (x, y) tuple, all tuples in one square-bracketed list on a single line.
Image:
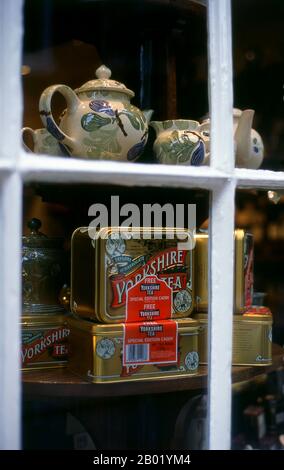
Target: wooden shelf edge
[(63, 383)]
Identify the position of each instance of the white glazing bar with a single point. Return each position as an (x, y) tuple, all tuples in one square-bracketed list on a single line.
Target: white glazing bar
[(221, 226), (220, 80), (10, 219), (68, 170), (220, 315), (10, 77), (10, 305), (262, 179)]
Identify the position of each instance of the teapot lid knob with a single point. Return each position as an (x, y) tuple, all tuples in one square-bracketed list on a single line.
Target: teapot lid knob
[(103, 72)]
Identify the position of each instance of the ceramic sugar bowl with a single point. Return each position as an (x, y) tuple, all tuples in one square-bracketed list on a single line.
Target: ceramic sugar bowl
[(99, 121), (178, 142)]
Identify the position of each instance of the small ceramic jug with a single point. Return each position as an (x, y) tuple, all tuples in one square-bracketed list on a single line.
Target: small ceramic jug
[(178, 142), (99, 121), (43, 142), (248, 144)]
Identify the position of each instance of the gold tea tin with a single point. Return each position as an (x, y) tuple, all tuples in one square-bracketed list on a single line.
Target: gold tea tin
[(252, 339), (104, 267), (96, 353), (243, 271), (44, 341)]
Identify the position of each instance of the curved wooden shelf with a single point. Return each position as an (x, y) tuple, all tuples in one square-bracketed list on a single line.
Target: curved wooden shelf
[(63, 383)]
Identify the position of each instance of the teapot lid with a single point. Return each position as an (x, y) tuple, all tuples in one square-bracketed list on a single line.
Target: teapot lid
[(37, 239), (104, 83)]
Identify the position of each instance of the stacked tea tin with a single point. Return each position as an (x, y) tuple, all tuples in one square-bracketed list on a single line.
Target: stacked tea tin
[(132, 294), (44, 328), (252, 325)]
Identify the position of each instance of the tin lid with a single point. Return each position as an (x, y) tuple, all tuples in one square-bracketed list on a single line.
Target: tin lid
[(258, 310), (37, 239), (104, 83), (116, 269), (184, 325), (201, 235), (43, 320), (203, 317), (255, 317), (94, 328), (240, 233)]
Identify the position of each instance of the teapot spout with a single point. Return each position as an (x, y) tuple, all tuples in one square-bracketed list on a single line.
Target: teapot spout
[(243, 137), (148, 114)]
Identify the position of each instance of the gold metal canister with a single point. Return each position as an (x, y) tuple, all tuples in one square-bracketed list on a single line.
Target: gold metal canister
[(243, 271), (102, 269), (252, 339), (44, 341), (96, 353)]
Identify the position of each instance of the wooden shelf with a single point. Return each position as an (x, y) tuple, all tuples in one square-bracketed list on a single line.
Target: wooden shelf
[(62, 383)]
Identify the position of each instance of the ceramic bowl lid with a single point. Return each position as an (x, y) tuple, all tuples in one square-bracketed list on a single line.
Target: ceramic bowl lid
[(104, 83)]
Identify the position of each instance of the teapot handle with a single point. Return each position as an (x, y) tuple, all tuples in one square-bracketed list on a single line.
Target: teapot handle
[(28, 130), (46, 114)]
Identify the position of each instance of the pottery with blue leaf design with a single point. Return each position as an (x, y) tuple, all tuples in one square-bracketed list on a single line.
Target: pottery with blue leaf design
[(248, 144), (99, 122), (42, 142), (178, 142)]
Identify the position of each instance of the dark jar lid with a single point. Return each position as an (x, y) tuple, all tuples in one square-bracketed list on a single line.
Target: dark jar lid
[(37, 239)]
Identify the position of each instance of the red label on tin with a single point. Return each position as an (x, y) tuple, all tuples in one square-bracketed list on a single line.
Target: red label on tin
[(150, 343), (156, 265), (149, 299), (248, 270), (43, 345)]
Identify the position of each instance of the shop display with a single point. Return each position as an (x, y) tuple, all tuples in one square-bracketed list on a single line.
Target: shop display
[(252, 339), (99, 121), (43, 142), (106, 266), (243, 271), (103, 269), (96, 352), (127, 367), (44, 341), (178, 142), (42, 272)]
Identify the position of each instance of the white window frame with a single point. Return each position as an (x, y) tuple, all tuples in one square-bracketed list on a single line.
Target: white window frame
[(17, 167)]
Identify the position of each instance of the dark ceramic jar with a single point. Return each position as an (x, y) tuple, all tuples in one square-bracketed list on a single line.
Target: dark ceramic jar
[(42, 272)]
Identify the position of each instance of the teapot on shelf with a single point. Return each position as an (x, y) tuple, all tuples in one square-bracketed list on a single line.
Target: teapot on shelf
[(99, 121), (249, 150)]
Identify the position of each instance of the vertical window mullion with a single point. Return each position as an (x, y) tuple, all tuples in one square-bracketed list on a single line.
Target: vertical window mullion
[(221, 225), (10, 219)]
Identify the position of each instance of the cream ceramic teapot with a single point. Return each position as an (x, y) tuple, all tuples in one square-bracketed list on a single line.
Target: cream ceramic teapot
[(99, 121)]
